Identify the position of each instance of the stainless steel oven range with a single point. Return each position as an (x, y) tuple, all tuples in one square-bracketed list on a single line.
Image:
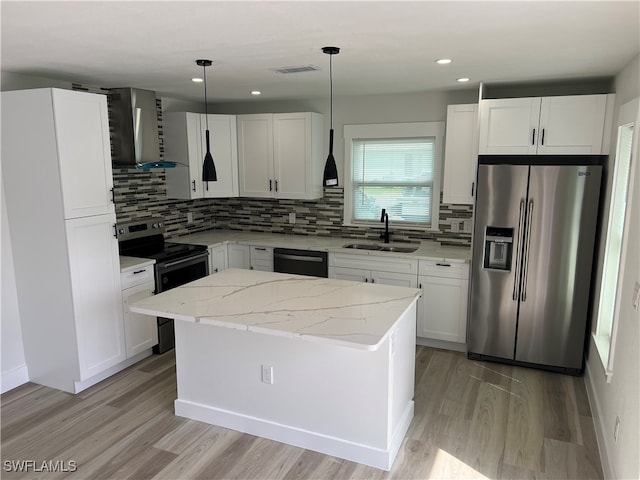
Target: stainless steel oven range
[(176, 263)]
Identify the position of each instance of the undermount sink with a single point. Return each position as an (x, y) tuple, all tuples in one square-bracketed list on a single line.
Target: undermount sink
[(380, 248)]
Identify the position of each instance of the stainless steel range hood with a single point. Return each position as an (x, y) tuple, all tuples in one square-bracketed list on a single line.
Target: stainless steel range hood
[(134, 129)]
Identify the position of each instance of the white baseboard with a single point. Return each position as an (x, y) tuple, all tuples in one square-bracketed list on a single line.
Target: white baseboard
[(337, 447), (14, 378), (90, 382), (598, 423), (443, 344)]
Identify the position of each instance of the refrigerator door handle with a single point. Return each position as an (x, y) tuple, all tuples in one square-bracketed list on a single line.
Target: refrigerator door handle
[(517, 251), (525, 260)]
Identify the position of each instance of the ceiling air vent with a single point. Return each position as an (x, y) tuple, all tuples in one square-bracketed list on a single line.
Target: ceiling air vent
[(299, 69)]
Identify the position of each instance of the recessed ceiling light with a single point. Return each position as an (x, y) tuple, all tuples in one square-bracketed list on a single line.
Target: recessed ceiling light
[(462, 79), (196, 80), (443, 61), (256, 92)]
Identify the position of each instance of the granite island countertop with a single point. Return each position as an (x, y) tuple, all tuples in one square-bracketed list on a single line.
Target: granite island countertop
[(427, 249), (352, 314)]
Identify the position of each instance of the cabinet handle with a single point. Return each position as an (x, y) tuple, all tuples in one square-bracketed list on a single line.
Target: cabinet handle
[(443, 264), (420, 286), (260, 248), (113, 195), (115, 230), (366, 280), (276, 185), (139, 271), (193, 187), (215, 270), (473, 187), (373, 280), (533, 137), (542, 139)]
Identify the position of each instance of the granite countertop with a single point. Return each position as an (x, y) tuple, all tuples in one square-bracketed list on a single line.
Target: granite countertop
[(352, 314), (428, 249)]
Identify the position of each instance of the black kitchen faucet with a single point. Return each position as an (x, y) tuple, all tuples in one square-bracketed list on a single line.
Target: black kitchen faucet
[(384, 217)]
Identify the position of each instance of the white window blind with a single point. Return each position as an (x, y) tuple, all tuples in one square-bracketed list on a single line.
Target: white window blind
[(394, 174)]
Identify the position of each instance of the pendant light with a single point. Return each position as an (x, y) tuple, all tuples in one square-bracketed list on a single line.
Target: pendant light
[(330, 170), (208, 168)]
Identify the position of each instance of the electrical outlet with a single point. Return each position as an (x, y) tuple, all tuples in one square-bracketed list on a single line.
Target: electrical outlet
[(267, 374), (292, 217), (467, 226), (190, 217), (616, 430)]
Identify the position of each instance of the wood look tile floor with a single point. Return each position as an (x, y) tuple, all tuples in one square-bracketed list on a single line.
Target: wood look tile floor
[(473, 420)]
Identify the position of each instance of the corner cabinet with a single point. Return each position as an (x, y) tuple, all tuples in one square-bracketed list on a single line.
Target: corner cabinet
[(62, 227), (442, 308), (184, 143), (461, 153), (280, 155), (562, 125)]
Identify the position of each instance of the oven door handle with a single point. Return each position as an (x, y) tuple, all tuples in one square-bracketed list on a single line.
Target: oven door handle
[(184, 260)]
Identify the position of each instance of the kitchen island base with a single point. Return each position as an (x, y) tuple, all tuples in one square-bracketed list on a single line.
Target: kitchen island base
[(352, 403)]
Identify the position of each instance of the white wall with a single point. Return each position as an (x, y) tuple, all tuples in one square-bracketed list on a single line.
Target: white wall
[(621, 397), (14, 368)]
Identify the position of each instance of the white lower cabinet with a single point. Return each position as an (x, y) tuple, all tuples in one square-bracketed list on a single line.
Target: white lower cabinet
[(261, 258), (218, 260), (386, 270), (442, 309), (140, 331), (238, 256)]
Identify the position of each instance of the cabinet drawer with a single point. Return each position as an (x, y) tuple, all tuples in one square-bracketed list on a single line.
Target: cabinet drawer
[(137, 276), (262, 253), (443, 268), (382, 263)]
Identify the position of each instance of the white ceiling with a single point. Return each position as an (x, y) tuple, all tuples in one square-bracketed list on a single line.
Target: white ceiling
[(386, 47)]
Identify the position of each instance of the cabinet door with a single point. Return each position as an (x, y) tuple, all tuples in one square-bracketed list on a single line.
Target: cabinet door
[(182, 144), (255, 155), (509, 126), (352, 274), (297, 161), (84, 153), (442, 310), (224, 149), (140, 331), (97, 296), (217, 258), (572, 124), (461, 153), (238, 256), (398, 279)]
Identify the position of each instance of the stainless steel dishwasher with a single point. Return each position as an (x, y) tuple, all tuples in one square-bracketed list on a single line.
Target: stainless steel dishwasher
[(300, 262)]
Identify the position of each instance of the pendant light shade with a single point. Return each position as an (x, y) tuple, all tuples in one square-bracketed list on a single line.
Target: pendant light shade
[(330, 170), (208, 167)]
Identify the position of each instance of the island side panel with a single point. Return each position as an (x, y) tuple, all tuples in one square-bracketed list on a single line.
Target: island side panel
[(403, 355), (331, 392)]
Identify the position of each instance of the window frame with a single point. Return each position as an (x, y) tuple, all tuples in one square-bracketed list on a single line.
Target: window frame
[(393, 131)]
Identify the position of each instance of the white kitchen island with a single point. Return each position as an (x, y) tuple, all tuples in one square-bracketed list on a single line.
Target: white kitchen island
[(319, 363)]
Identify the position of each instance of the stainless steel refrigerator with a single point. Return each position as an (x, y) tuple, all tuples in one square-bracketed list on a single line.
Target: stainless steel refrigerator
[(532, 255)]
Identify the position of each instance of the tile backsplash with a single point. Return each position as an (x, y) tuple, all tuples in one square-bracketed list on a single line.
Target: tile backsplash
[(142, 193)]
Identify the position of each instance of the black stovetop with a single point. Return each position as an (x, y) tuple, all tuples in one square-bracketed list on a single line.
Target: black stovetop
[(156, 248)]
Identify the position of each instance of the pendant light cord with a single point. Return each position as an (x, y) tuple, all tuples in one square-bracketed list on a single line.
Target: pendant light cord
[(331, 91), (206, 112)]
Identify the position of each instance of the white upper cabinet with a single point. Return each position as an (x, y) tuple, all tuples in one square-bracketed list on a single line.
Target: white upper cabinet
[(461, 153), (184, 140), (83, 151), (280, 155), (572, 124)]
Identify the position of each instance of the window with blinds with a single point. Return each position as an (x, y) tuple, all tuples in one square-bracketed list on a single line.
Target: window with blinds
[(394, 174)]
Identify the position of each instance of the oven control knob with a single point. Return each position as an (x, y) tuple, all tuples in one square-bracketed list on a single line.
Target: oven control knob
[(120, 231)]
